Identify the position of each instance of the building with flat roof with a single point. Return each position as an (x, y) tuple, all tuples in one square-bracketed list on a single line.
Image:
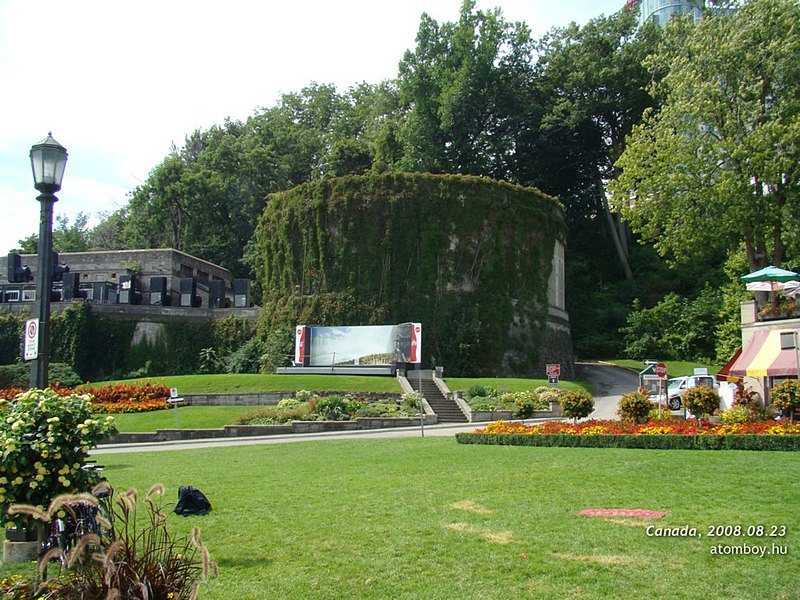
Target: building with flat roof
[(163, 277)]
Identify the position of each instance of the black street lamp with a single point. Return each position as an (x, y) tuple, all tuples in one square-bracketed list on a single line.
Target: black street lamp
[(48, 160)]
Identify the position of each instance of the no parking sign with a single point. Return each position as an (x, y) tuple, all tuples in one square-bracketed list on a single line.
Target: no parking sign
[(31, 339)]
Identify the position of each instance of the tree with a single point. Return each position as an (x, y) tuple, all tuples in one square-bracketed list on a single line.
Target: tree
[(467, 94), (66, 237), (594, 85), (71, 237), (717, 165)]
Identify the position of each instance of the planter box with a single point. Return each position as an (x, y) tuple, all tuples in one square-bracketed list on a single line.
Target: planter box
[(479, 416), (14, 534), (17, 552)]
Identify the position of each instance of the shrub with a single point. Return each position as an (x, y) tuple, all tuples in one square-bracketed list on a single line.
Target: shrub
[(701, 400), (634, 406), (659, 414), (210, 361), (63, 375), (333, 408), (17, 375), (576, 405), (288, 403), (247, 359), (739, 413), (45, 439), (747, 397), (303, 396), (143, 561), (276, 415), (786, 396), (525, 403), (410, 401), (483, 406), (788, 443), (479, 391)]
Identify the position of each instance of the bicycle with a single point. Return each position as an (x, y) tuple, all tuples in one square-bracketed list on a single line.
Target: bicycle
[(63, 542)]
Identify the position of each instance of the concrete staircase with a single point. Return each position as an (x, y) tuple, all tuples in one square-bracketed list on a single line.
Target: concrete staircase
[(445, 408)]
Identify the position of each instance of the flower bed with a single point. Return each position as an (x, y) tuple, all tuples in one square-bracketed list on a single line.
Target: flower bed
[(763, 435), (113, 399)]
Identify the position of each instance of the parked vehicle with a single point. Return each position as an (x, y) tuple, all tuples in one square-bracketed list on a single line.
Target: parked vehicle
[(677, 386)]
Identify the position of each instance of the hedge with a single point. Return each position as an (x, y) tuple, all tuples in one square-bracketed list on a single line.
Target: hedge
[(789, 443)]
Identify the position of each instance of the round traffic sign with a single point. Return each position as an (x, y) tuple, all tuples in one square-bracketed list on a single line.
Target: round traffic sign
[(661, 370)]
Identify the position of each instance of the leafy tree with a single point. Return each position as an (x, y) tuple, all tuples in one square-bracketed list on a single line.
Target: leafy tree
[(109, 233), (467, 93), (717, 165), (71, 237), (675, 328), (594, 80), (66, 237)]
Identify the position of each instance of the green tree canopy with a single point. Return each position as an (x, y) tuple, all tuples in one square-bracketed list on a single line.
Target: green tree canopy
[(717, 165), (467, 91)]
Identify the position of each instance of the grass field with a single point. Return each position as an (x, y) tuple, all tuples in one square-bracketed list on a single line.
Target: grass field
[(209, 417), (508, 384), (431, 519), (254, 383), (675, 368), (189, 417)]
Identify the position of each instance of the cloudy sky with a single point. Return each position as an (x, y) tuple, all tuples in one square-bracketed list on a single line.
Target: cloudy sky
[(118, 82)]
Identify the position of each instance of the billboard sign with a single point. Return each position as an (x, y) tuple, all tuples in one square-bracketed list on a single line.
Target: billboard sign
[(359, 345)]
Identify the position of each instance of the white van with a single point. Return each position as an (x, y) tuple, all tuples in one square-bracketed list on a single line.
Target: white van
[(677, 386)]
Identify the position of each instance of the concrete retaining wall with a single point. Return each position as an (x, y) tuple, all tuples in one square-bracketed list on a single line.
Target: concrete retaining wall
[(165, 435)]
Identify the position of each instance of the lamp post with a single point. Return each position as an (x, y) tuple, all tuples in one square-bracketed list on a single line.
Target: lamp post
[(48, 160)]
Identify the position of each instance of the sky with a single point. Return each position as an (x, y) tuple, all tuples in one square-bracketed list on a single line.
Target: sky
[(120, 82)]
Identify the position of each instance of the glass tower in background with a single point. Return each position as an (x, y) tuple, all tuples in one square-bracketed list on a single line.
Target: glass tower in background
[(661, 11)]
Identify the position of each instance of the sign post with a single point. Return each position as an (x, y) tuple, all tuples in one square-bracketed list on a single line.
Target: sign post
[(31, 339), (553, 372), (175, 399), (661, 373)]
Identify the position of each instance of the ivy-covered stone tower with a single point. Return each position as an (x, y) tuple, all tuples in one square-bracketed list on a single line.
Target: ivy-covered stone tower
[(479, 262)]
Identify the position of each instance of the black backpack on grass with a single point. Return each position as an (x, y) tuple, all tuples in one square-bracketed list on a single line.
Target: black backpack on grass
[(191, 501)]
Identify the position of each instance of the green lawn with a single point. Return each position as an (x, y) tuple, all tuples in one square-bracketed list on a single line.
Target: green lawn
[(675, 368), (428, 518), (253, 383), (189, 417), (211, 417), (508, 384)]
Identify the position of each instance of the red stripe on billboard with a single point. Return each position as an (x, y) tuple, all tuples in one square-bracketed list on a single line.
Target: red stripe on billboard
[(300, 345), (416, 342)]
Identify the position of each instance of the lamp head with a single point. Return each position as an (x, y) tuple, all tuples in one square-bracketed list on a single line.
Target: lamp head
[(48, 161)]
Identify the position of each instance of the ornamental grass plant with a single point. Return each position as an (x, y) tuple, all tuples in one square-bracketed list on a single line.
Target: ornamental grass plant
[(142, 559)]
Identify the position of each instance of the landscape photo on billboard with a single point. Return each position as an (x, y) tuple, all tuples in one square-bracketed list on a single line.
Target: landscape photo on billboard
[(353, 345)]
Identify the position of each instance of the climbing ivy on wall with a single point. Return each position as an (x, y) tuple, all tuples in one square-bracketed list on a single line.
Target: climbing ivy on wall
[(100, 347), (469, 257)]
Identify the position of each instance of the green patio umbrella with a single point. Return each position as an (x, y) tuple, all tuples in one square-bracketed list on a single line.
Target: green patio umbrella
[(770, 274)]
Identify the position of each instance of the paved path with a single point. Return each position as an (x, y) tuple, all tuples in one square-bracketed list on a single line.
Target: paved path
[(395, 432), (609, 382)]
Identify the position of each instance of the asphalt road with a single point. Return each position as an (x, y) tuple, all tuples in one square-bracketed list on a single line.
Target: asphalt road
[(609, 383)]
